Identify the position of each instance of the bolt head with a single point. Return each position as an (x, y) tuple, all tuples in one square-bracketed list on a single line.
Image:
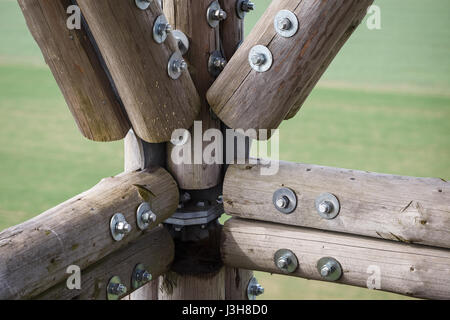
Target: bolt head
[(283, 263), (146, 276), (282, 202), (123, 227), (284, 24), (219, 15), (258, 59), (325, 207), (247, 6), (325, 271), (148, 217)]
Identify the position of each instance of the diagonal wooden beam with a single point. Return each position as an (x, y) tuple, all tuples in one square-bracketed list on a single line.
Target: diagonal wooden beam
[(77, 69), (406, 209), (413, 270), (249, 99), (34, 255), (155, 250)]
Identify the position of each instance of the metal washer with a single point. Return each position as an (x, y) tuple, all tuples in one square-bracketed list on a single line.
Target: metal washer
[(110, 296), (336, 274), (143, 208), (260, 49), (160, 37), (183, 41), (286, 14), (288, 193), (336, 205), (118, 217), (214, 6), (142, 4), (135, 282), (291, 255), (176, 56)]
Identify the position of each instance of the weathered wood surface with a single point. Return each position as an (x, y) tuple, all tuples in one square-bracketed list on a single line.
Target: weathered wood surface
[(139, 154), (231, 29), (413, 270), (246, 99), (236, 283), (154, 250), (192, 287), (77, 70), (155, 103), (35, 255), (406, 209), (189, 16)]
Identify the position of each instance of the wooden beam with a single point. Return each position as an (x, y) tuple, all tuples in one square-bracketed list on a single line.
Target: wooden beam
[(236, 283), (155, 103), (189, 16), (231, 29), (155, 251), (36, 254), (77, 69), (246, 99), (417, 271), (406, 209)]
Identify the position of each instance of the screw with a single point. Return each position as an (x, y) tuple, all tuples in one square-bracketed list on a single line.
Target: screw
[(123, 227), (282, 202), (218, 15), (258, 59), (325, 207), (164, 28), (148, 217), (117, 289), (179, 66), (284, 24), (247, 6)]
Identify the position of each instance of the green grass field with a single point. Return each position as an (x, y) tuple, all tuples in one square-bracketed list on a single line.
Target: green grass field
[(384, 105)]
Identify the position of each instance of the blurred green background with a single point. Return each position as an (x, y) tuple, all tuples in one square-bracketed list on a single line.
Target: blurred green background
[(384, 105)]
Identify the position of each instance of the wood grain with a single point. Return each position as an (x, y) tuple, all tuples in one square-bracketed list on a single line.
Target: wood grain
[(231, 29), (413, 270), (406, 209), (155, 251), (77, 70), (189, 16), (246, 99), (155, 103), (35, 255), (236, 283)]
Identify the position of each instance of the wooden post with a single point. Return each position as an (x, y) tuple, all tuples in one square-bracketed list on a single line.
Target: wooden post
[(189, 16), (77, 69), (155, 103), (406, 209), (248, 99), (36, 254), (413, 270)]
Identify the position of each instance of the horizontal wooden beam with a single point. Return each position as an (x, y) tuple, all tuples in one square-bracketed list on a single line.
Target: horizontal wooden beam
[(413, 270), (77, 69), (246, 98), (406, 209), (155, 251), (155, 103), (34, 255)]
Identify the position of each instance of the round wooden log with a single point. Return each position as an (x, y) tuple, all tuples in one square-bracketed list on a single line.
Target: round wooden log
[(77, 70), (154, 250), (189, 16), (231, 29), (413, 270), (406, 209), (155, 103), (34, 255), (244, 98)]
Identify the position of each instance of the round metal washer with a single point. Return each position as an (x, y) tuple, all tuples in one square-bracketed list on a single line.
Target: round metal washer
[(142, 4), (214, 6), (288, 193), (183, 41), (110, 296), (261, 50), (159, 36), (286, 14), (143, 208), (118, 217), (176, 57), (336, 206), (292, 266), (135, 282), (335, 274)]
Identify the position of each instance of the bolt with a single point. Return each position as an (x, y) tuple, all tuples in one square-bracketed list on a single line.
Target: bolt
[(202, 203), (325, 207), (258, 59), (327, 269), (286, 260), (219, 199), (283, 263), (148, 217), (164, 28), (256, 290), (282, 202), (117, 289), (185, 197), (218, 14), (144, 276), (179, 66), (284, 24), (220, 63), (247, 6), (123, 227)]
